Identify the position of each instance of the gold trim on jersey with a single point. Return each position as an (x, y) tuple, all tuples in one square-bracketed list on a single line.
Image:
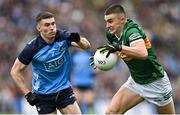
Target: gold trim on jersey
[(147, 42), (128, 58), (123, 56)]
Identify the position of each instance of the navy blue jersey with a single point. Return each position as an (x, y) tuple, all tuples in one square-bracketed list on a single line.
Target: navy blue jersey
[(51, 63)]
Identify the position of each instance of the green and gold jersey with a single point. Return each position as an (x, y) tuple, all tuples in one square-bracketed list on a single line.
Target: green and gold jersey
[(142, 71)]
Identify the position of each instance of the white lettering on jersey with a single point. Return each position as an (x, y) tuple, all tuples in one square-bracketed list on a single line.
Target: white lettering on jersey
[(55, 64), (134, 36)]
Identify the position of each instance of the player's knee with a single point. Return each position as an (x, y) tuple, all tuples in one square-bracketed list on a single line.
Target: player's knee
[(112, 111), (115, 111)]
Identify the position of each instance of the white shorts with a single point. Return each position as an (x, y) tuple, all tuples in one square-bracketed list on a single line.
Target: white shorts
[(158, 92)]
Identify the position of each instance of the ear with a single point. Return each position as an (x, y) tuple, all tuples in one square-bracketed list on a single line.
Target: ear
[(38, 27), (123, 19)]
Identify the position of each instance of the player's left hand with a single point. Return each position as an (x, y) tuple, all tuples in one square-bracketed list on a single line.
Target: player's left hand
[(74, 37), (111, 48), (92, 62), (32, 98)]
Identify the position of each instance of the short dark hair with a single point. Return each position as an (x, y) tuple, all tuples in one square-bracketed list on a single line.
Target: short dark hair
[(43, 15), (115, 8)]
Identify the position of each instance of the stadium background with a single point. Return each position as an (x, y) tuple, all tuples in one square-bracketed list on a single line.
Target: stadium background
[(160, 18)]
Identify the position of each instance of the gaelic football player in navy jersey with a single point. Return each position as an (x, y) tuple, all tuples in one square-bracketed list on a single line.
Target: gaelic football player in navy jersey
[(50, 58)]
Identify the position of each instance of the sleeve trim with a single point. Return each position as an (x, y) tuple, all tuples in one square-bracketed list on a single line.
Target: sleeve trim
[(136, 41)]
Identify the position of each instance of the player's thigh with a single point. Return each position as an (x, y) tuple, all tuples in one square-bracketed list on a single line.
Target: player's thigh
[(71, 109), (167, 109), (123, 100)]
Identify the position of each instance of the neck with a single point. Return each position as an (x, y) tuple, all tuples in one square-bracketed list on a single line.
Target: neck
[(48, 40), (118, 34)]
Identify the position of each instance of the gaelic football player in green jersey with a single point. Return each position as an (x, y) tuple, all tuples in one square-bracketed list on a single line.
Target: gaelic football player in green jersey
[(148, 80)]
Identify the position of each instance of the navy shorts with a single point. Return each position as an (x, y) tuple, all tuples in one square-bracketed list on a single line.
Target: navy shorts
[(84, 88), (49, 102)]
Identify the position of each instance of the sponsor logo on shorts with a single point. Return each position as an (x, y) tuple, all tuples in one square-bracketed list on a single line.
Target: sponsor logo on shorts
[(164, 98), (38, 108)]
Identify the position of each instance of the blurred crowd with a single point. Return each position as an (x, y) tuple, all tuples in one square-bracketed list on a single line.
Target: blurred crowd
[(160, 19)]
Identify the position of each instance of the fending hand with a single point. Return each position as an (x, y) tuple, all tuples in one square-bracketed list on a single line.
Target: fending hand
[(74, 37)]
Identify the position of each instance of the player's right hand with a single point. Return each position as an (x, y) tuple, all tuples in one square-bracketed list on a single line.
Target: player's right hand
[(31, 98), (74, 37), (101, 48), (111, 48)]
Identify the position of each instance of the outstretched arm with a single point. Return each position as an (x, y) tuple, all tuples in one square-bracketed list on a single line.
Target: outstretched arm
[(83, 43), (78, 41)]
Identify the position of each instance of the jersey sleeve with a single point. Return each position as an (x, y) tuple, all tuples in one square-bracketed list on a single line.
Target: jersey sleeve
[(134, 34), (64, 35), (26, 55)]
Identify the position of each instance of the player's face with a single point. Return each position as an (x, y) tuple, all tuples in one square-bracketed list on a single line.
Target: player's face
[(47, 28), (115, 23)]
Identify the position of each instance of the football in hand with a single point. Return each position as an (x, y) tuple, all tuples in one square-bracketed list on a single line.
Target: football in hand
[(103, 63)]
